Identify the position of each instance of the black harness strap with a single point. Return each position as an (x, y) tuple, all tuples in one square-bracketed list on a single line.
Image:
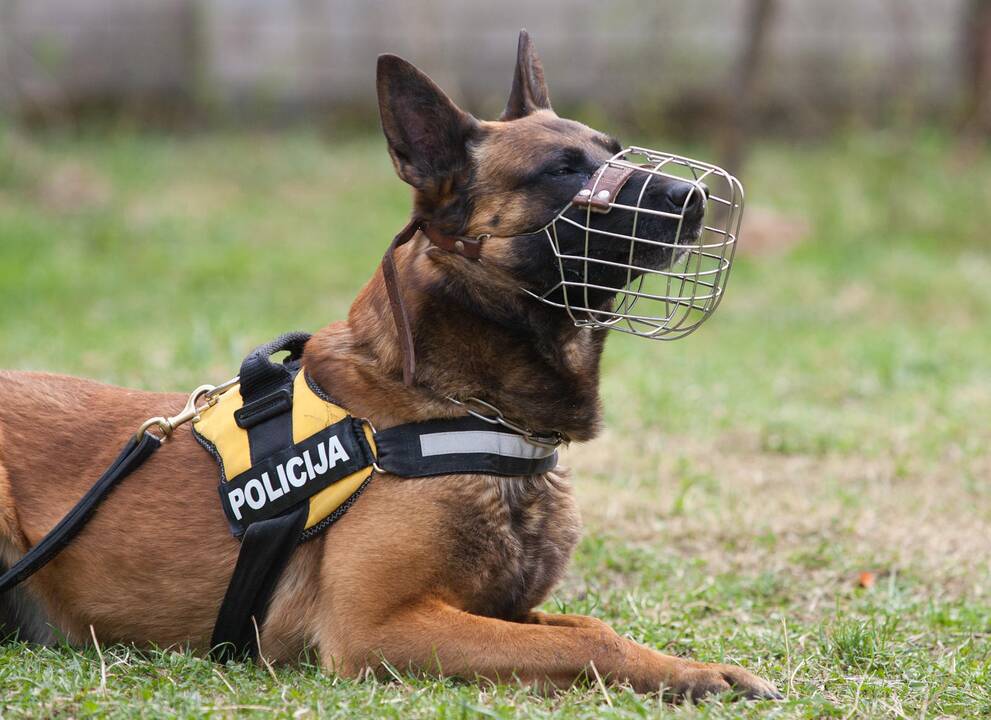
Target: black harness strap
[(266, 389), (135, 452), (266, 545)]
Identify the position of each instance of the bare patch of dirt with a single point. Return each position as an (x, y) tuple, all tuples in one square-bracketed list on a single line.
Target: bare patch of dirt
[(828, 518), (191, 199), (766, 232), (73, 187)]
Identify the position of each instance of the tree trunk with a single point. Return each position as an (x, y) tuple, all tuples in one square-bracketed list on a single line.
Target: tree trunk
[(976, 70), (739, 121)]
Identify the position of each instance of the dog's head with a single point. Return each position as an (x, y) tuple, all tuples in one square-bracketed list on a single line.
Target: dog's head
[(508, 180)]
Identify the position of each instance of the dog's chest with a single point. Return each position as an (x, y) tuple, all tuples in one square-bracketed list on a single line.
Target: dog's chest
[(511, 539)]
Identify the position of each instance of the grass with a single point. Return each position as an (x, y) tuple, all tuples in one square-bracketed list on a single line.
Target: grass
[(830, 421)]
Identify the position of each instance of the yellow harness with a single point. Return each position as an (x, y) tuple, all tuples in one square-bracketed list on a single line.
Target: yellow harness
[(310, 414)]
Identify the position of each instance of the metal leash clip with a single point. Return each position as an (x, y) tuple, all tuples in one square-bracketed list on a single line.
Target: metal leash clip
[(478, 408), (168, 425)]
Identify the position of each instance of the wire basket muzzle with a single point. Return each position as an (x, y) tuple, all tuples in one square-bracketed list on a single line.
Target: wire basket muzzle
[(647, 245)]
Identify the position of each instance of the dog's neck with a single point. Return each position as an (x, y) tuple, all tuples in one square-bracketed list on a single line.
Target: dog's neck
[(471, 341)]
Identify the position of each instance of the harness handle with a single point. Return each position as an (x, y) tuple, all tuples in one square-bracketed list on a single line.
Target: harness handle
[(259, 375)]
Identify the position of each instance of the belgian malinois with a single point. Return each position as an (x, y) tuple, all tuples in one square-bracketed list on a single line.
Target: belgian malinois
[(437, 575)]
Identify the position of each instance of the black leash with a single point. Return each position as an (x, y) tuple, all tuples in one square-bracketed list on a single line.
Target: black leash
[(135, 452)]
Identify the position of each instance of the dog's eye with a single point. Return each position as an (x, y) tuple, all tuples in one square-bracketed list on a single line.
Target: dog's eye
[(558, 172)]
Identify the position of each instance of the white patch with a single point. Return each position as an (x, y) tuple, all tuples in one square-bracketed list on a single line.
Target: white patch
[(236, 499), (269, 490), (336, 451), (322, 467), (310, 472), (295, 479), (254, 493)]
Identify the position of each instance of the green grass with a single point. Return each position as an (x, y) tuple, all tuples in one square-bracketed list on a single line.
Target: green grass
[(831, 419)]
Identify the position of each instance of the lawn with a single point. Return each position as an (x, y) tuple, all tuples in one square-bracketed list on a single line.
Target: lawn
[(800, 487)]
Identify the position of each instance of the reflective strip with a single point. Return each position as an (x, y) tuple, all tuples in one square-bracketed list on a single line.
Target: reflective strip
[(481, 441)]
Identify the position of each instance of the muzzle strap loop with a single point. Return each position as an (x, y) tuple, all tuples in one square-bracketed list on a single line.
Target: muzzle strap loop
[(467, 247), (399, 313), (603, 188)]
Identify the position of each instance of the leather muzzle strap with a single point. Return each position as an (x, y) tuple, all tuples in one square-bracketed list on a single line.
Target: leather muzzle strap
[(470, 248), (399, 314), (465, 246), (603, 187), (598, 193)]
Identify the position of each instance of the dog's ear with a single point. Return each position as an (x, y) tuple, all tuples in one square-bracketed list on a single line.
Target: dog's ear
[(426, 132), (529, 91)]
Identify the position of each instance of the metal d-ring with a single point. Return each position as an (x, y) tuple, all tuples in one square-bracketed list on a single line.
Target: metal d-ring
[(375, 465)]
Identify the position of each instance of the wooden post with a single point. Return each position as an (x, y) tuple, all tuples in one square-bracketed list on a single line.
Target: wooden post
[(976, 70), (738, 124)]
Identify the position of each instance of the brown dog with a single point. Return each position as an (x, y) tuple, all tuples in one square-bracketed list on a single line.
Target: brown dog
[(438, 574)]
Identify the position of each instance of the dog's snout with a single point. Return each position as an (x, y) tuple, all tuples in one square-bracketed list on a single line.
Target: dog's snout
[(687, 197)]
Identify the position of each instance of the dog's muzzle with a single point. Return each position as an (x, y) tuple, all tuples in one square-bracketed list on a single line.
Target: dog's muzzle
[(645, 247)]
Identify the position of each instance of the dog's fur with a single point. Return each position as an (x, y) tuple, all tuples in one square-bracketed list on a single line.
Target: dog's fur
[(437, 575)]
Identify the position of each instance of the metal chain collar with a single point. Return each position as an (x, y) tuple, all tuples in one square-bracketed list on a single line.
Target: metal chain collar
[(493, 415)]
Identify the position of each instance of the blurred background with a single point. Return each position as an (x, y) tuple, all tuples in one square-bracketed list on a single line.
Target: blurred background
[(799, 67), (181, 180)]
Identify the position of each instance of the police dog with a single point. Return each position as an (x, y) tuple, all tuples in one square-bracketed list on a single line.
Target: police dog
[(437, 575)]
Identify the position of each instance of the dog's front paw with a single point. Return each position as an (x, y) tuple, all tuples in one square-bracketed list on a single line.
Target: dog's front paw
[(700, 679)]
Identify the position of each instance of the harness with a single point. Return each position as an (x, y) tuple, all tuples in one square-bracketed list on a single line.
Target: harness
[(292, 462)]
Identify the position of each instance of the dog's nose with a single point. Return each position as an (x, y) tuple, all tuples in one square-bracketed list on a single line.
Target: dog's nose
[(687, 197)]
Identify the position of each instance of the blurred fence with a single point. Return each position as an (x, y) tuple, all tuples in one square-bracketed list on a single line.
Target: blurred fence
[(243, 59)]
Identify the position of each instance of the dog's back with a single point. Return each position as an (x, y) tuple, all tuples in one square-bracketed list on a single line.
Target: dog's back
[(21, 616), (23, 397), (153, 546)]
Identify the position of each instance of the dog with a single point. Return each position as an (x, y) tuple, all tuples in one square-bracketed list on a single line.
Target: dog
[(437, 575)]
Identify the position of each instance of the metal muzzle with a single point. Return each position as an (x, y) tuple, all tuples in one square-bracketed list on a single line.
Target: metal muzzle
[(651, 261)]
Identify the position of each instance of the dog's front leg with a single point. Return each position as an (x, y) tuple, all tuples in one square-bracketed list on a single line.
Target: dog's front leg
[(554, 650), (695, 676)]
